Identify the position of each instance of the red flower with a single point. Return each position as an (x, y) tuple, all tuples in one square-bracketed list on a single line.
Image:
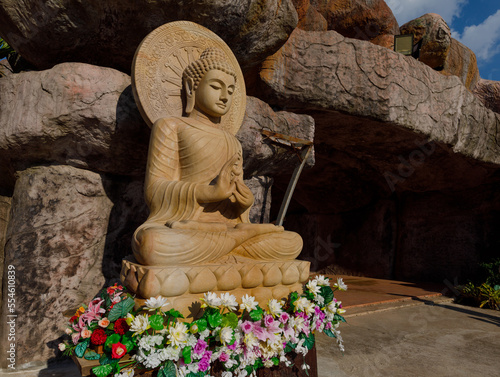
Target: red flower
[(73, 319), (121, 326), (98, 337), (118, 350)]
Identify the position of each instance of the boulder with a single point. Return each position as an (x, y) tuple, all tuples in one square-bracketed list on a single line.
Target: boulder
[(108, 32), (461, 62), (68, 232), (5, 202), (73, 114), (389, 132), (433, 36), (309, 17), (488, 92), (261, 156), (55, 241), (359, 19)]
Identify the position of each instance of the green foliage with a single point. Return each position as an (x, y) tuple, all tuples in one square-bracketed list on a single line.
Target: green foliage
[(121, 309), (102, 370), (215, 319), (484, 295), (186, 354), (156, 322), (230, 320), (91, 355), (330, 333), (492, 272), (112, 339), (80, 348), (168, 370), (5, 49), (256, 314), (327, 293)]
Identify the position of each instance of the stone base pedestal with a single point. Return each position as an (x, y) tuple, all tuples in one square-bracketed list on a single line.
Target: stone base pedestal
[(185, 285)]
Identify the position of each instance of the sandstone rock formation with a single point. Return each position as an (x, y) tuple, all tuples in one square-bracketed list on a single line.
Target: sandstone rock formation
[(489, 93), (462, 62), (107, 33), (359, 19), (433, 36), (387, 128)]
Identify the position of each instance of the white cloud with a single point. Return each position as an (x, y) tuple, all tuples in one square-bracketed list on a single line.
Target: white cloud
[(483, 39), (407, 10)]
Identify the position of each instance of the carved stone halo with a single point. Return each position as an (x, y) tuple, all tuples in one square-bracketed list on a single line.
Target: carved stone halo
[(157, 70)]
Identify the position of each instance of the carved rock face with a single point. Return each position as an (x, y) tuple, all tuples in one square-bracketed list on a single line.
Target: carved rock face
[(107, 33)]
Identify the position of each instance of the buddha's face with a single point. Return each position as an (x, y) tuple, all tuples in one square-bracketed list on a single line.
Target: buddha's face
[(215, 93)]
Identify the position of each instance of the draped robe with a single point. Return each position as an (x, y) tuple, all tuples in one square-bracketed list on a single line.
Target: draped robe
[(185, 153)]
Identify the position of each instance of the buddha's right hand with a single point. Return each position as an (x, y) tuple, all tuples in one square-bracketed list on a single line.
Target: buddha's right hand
[(224, 186)]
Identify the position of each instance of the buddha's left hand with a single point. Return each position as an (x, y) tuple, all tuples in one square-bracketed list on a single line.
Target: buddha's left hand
[(242, 194)]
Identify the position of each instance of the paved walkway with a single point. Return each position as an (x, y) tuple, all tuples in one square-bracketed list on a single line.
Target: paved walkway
[(394, 329)]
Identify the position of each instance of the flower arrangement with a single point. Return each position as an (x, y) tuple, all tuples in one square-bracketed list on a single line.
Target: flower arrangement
[(239, 337)]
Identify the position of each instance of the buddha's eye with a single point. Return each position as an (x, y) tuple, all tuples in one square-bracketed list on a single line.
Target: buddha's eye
[(215, 86), (230, 90)]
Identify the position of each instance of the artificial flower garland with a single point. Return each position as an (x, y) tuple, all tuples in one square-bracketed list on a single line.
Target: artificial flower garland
[(240, 337)]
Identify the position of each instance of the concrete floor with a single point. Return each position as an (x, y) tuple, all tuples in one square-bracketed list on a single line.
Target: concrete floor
[(419, 339)]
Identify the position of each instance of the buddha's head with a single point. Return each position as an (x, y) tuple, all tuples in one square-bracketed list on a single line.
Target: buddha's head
[(209, 83)]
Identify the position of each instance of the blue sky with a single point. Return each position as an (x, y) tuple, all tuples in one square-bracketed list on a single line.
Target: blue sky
[(475, 23)]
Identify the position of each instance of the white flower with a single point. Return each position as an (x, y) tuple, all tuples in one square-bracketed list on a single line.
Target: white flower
[(156, 303), (170, 353), (62, 346), (228, 301), (313, 287), (149, 342), (248, 303), (320, 300), (140, 324), (322, 281), (340, 311), (340, 285), (125, 373), (332, 307), (301, 303), (274, 307), (211, 300), (226, 334), (268, 363), (68, 331), (178, 334), (227, 374), (204, 334)]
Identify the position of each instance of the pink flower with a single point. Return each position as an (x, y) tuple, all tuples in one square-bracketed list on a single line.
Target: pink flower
[(207, 355), (284, 317), (118, 350), (247, 327), (104, 322), (86, 333), (203, 365), (328, 325), (268, 319), (75, 337), (232, 347), (223, 357), (200, 347)]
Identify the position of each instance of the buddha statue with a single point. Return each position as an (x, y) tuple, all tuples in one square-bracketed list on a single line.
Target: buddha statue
[(199, 204)]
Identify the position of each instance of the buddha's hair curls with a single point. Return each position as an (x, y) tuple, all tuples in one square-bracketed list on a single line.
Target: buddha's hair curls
[(211, 58)]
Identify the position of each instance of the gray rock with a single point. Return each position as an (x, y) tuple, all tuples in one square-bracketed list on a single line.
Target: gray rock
[(107, 33), (68, 232), (261, 190), (488, 92), (73, 114), (5, 203)]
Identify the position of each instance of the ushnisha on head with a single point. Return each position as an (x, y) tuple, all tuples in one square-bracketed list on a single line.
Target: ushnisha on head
[(209, 83)]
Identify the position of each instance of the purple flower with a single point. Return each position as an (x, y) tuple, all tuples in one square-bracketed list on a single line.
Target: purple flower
[(328, 325), (232, 347), (317, 310), (207, 355), (223, 357), (203, 365), (247, 327), (200, 347), (284, 317)]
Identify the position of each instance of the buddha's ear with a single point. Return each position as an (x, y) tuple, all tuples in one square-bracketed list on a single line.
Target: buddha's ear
[(190, 98)]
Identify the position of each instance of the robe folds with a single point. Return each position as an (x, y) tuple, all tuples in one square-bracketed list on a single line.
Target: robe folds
[(183, 154)]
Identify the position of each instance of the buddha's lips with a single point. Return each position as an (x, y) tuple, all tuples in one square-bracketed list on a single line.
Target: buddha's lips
[(221, 105)]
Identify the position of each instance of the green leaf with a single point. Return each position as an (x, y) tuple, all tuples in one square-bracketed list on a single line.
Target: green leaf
[(105, 359), (215, 319), (121, 309), (168, 370), (91, 355), (129, 342), (112, 339), (275, 360), (156, 322), (330, 333), (256, 314), (81, 347), (174, 313), (230, 320), (202, 324), (327, 293), (292, 298), (102, 371), (309, 343), (339, 318), (186, 354)]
